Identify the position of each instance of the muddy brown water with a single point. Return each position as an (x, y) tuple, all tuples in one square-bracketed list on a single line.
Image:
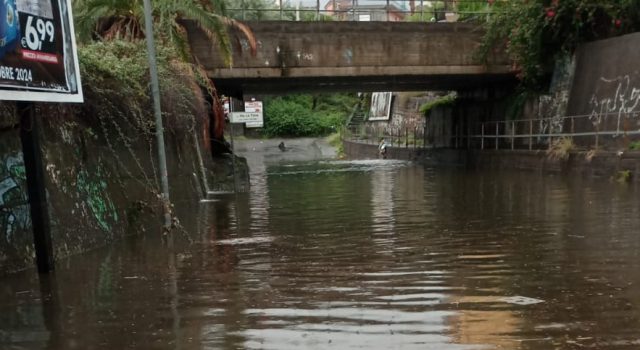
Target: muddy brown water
[(357, 255)]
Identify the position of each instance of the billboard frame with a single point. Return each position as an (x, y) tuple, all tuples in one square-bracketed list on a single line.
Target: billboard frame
[(33, 94)]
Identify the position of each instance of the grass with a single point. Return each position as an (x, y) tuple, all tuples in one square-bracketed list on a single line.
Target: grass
[(560, 148)]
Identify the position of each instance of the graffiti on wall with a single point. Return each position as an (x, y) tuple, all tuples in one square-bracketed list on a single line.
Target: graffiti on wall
[(14, 206), (552, 108), (93, 190), (618, 97)]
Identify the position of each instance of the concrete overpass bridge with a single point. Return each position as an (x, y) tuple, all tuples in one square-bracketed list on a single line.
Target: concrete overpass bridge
[(352, 56)]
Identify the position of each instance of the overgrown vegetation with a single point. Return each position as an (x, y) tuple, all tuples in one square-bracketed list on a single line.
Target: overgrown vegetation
[(560, 148), (115, 79), (536, 33), (307, 115), (447, 100)]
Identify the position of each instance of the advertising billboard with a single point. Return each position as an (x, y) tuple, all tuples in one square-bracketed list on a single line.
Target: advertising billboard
[(38, 58), (380, 106)]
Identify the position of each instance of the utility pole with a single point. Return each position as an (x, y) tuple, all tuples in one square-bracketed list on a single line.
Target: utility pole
[(35, 170), (155, 92)]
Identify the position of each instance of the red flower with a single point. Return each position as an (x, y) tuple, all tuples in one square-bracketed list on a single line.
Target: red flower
[(491, 2), (550, 13), (617, 23)]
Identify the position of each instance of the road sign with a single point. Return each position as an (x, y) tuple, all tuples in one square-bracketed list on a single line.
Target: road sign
[(246, 117), (256, 107), (38, 58)]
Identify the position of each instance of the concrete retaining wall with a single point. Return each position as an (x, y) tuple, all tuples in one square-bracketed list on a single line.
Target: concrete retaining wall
[(101, 183), (604, 165)]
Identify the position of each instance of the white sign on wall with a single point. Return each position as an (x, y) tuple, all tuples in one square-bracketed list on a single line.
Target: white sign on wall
[(246, 117), (380, 106), (254, 107)]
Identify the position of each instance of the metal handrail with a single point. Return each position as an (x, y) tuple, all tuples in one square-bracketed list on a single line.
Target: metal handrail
[(513, 134), (378, 10)]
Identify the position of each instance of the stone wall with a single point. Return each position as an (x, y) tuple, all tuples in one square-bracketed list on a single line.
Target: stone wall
[(16, 239), (101, 182)]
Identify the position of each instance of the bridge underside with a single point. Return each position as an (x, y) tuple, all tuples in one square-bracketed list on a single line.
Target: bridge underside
[(278, 86)]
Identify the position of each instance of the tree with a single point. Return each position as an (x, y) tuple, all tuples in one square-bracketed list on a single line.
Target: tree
[(123, 19)]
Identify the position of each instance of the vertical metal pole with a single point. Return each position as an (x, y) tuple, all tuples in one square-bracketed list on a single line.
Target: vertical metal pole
[(317, 10), (334, 9), (513, 135), (242, 9), (233, 150), (482, 137), (597, 135), (353, 9), (280, 4), (468, 135), (34, 167), (530, 134), (155, 92), (421, 10), (387, 8), (457, 135), (549, 134), (497, 133)]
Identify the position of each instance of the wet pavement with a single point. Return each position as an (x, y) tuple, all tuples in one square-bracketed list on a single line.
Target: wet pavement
[(357, 255)]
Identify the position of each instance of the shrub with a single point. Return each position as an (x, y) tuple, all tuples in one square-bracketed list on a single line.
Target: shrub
[(536, 33)]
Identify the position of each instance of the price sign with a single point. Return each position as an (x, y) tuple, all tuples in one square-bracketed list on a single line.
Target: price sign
[(38, 59)]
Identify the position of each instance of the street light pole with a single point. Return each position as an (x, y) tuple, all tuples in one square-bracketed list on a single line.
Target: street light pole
[(155, 92)]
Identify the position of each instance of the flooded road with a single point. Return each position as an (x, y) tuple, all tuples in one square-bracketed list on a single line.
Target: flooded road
[(357, 255)]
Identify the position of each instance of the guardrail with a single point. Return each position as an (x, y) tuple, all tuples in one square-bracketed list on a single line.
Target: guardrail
[(407, 137), (540, 133), (367, 10), (590, 131)]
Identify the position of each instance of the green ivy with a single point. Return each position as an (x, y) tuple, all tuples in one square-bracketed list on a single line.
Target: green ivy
[(535, 33), (447, 100)]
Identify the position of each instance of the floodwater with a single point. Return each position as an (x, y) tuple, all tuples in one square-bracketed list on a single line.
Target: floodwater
[(373, 254)]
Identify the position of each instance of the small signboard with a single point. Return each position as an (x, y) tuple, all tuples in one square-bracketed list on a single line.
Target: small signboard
[(246, 117), (38, 57), (254, 106)]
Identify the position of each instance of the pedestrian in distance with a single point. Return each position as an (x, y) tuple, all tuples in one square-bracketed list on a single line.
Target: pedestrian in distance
[(382, 148)]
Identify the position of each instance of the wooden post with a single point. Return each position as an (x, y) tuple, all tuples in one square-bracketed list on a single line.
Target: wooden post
[(34, 166)]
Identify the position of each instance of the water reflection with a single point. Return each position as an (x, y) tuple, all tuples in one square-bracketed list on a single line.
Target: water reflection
[(370, 254)]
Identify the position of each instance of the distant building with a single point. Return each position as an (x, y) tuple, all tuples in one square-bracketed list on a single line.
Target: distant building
[(369, 10)]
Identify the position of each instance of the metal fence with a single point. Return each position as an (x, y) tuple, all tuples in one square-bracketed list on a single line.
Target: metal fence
[(367, 10), (596, 131), (407, 137), (587, 131)]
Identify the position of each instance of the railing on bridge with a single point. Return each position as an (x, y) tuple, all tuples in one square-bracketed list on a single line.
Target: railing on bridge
[(366, 10)]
